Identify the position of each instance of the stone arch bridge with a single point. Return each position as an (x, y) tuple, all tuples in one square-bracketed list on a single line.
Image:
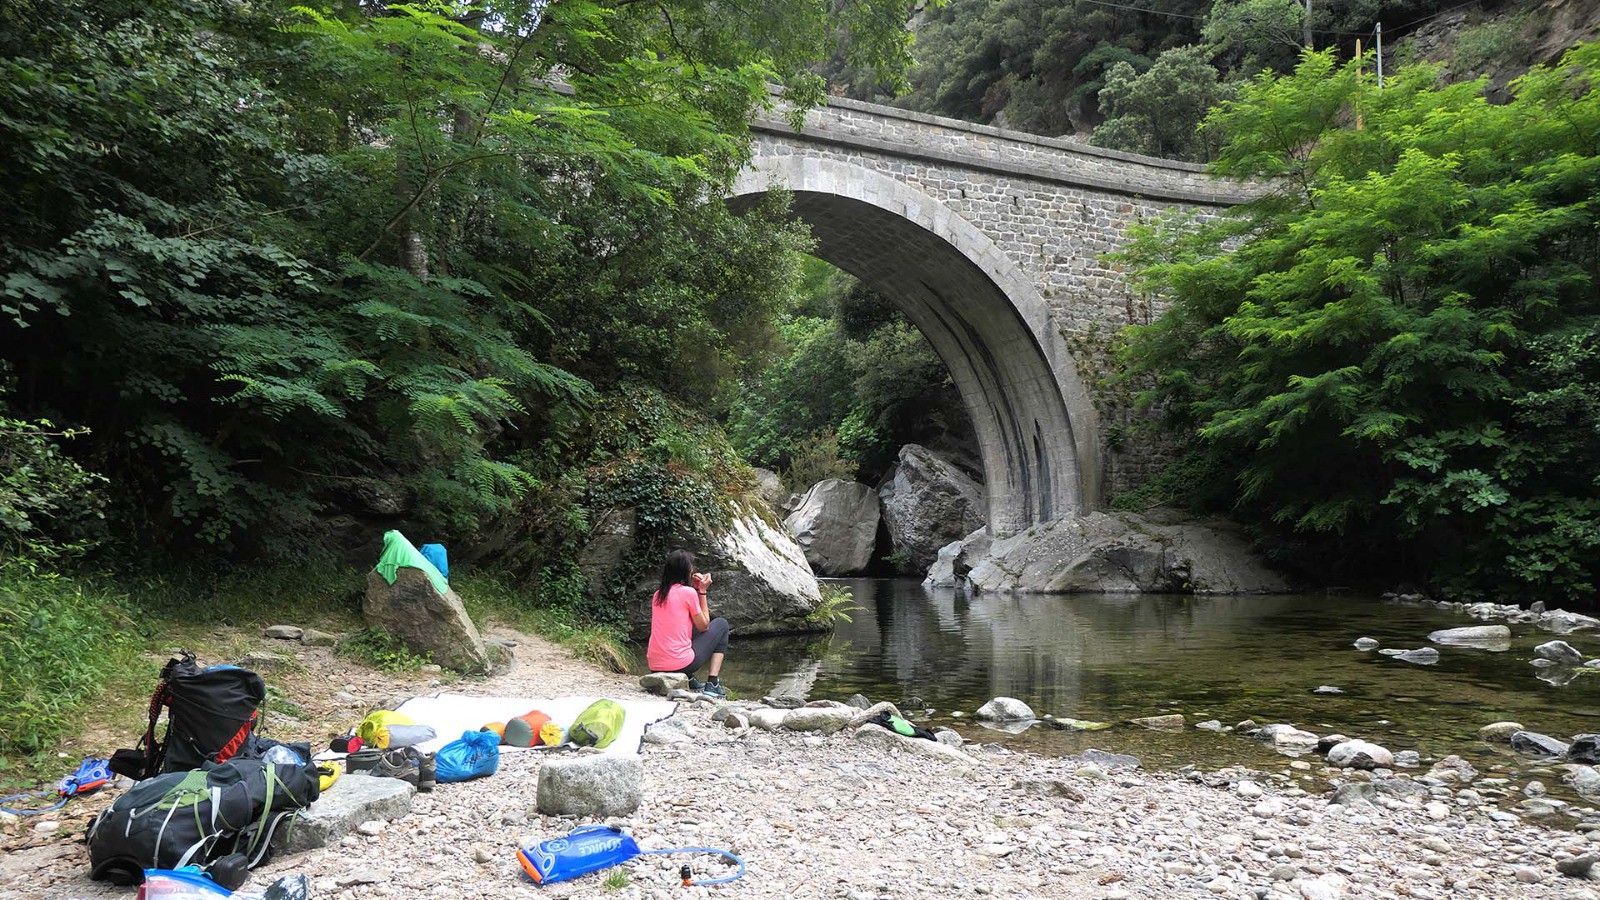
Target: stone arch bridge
[(990, 241)]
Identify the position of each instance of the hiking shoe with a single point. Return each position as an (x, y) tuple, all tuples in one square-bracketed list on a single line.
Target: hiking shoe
[(695, 685), (396, 764), (714, 690), (362, 762), (427, 770)]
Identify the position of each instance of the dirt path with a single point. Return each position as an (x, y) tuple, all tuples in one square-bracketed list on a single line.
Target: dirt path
[(828, 816)]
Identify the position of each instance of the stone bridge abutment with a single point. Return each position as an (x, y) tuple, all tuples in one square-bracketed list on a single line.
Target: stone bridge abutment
[(992, 243)]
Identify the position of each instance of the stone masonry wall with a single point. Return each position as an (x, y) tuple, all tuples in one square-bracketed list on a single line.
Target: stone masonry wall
[(1055, 208)]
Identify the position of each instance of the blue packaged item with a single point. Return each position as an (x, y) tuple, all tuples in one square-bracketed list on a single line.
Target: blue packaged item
[(475, 755), (180, 884), (435, 554), (584, 850)]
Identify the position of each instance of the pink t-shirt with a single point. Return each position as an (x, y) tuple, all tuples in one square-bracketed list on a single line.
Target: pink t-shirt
[(672, 629)]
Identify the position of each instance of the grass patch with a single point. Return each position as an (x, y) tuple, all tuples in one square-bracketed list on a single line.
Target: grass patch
[(494, 595), (617, 880), (382, 650), (309, 591)]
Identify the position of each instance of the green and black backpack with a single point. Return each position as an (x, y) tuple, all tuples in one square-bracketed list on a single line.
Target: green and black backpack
[(196, 817)]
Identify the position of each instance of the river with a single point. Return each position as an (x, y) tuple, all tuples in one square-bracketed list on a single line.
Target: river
[(1110, 658)]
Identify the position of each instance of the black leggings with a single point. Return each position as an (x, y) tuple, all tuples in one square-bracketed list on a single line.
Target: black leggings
[(713, 640)]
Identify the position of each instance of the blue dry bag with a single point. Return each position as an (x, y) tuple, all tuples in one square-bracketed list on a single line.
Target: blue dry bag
[(435, 554), (584, 850), (475, 755)]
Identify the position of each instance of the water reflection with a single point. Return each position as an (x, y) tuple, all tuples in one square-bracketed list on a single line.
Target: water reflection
[(1114, 657)]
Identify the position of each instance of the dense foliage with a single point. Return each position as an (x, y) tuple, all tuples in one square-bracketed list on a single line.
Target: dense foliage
[(851, 383), (286, 261), (1392, 358)]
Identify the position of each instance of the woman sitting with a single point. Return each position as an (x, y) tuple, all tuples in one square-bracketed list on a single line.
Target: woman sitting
[(683, 636)]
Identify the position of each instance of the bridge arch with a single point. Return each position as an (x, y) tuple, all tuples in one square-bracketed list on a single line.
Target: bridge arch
[(1037, 427)]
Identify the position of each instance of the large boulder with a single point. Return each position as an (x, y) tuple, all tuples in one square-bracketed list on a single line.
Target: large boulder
[(360, 798), (426, 620), (771, 489), (836, 526), (591, 787), (957, 558), (761, 583), (1360, 755), (927, 503), (1158, 551)]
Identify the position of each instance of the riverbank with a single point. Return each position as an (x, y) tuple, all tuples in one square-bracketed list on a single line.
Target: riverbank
[(832, 816)]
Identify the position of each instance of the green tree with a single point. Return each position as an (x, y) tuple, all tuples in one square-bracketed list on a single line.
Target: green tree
[(1390, 357), (1158, 112)]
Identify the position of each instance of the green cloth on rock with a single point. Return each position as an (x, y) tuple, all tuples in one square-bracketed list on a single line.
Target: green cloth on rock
[(398, 552)]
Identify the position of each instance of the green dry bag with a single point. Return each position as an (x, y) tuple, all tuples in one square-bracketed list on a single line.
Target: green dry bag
[(598, 725)]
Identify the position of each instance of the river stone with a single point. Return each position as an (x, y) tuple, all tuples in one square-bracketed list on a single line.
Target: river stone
[(1159, 723), (426, 620), (1585, 748), (824, 719), (1210, 725), (771, 489), (282, 632), (1499, 732), (662, 684), (594, 786), (767, 719), (1329, 741), (1365, 643), (1360, 755), (859, 701), (956, 559), (1351, 793), (1562, 622), (836, 526), (884, 739), (861, 717), (928, 503), (1005, 709), (1425, 656), (1585, 780), (264, 662), (1577, 866), (314, 638), (1408, 759), (1483, 637), (338, 812), (1287, 738), (1535, 744), (1452, 769), (949, 738), (1123, 552), (1070, 724), (1104, 760), (1559, 652)]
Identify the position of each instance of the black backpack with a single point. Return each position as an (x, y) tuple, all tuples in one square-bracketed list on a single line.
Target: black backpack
[(212, 716), (194, 818)]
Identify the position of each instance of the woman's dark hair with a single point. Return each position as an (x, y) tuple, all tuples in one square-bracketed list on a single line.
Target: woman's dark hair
[(680, 565)]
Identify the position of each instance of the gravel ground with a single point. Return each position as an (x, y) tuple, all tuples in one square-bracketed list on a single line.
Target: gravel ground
[(827, 816)]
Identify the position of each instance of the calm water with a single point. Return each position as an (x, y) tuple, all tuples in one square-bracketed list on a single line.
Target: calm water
[(1109, 658)]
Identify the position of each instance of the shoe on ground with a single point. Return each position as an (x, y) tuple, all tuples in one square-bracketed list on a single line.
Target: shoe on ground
[(714, 690), (695, 685), (396, 764), (427, 770)]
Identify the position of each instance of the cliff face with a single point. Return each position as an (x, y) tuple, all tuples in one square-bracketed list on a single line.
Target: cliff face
[(1501, 41)]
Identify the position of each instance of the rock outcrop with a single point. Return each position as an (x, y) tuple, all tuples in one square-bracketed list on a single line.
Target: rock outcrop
[(836, 526), (927, 503), (956, 559), (771, 489), (427, 620), (1158, 552)]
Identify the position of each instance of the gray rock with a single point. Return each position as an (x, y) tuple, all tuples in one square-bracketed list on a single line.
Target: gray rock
[(662, 684), (1209, 725), (949, 738), (1048, 787), (1329, 741), (1560, 653), (861, 717), (1408, 759), (956, 559), (1327, 689), (884, 739), (928, 503), (1483, 637), (1287, 738), (767, 719), (264, 662), (836, 526), (1577, 866), (1366, 643), (1360, 755), (1560, 621), (594, 786), (858, 701), (784, 701), (1125, 552), (1425, 656), (355, 800), (1585, 780), (824, 719), (282, 632), (1005, 709), (735, 720), (1452, 770), (314, 638), (426, 620), (1585, 748), (771, 489), (1499, 732), (1159, 723), (1535, 744), (1352, 793)]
